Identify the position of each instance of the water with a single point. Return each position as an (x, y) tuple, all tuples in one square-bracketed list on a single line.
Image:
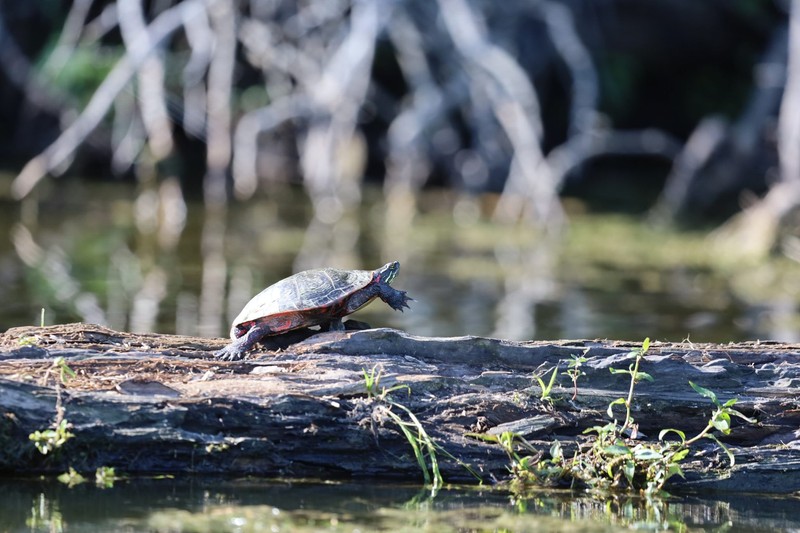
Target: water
[(145, 261), (253, 505)]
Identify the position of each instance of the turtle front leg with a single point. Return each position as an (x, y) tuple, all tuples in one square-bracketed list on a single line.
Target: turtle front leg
[(236, 350), (397, 300)]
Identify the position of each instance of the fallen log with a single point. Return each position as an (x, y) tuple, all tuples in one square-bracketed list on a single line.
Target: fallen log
[(300, 408)]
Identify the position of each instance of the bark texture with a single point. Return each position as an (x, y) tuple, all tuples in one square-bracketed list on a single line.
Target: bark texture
[(298, 408)]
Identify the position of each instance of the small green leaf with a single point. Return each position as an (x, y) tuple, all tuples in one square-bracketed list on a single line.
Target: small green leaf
[(678, 432), (730, 402), (737, 414), (71, 478), (674, 469), (645, 345), (483, 436), (731, 458), (610, 411), (643, 376), (555, 451), (702, 391), (616, 449), (646, 454), (629, 469), (722, 422), (608, 428), (507, 440), (68, 371), (680, 455), (525, 462), (618, 371)]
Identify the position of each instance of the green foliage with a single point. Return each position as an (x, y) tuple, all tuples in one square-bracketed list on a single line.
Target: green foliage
[(32, 340), (426, 450), (424, 447), (720, 420), (105, 476), (546, 389), (64, 371), (29, 340), (85, 71), (215, 447), (48, 440), (71, 478), (525, 469), (636, 376), (574, 371), (612, 459), (372, 381)]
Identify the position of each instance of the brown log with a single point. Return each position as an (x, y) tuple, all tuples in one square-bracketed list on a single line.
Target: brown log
[(163, 403)]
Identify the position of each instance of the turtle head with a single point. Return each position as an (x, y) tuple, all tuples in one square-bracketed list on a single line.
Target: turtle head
[(387, 272)]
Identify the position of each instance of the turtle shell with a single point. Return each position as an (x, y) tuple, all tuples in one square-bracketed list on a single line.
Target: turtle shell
[(304, 299)]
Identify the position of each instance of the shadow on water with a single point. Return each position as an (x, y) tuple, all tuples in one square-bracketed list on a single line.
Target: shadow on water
[(92, 253), (256, 505)]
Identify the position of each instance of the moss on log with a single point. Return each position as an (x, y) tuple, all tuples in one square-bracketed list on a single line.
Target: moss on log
[(299, 408)]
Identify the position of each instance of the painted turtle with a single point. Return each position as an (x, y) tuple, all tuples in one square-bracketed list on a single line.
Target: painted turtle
[(310, 298)]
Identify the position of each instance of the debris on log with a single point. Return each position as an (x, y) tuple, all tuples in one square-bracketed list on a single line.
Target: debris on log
[(299, 408)]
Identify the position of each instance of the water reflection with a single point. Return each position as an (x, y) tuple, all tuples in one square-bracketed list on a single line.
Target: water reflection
[(158, 263), (258, 505)]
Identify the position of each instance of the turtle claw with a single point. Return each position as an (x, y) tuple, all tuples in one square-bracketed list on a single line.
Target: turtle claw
[(229, 353), (399, 300)]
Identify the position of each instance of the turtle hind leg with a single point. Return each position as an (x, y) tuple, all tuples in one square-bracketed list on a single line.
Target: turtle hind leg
[(334, 325), (356, 325), (236, 350)]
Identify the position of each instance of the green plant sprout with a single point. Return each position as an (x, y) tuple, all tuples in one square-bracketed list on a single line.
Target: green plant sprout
[(71, 478), (48, 440), (51, 439), (32, 340), (509, 441), (64, 371), (425, 449), (574, 371), (636, 376), (29, 340), (547, 389), (612, 459), (720, 420), (105, 476), (372, 381)]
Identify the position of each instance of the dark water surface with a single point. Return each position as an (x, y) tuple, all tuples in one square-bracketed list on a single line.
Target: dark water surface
[(199, 505)]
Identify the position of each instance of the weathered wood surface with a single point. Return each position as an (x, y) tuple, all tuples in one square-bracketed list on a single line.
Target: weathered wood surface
[(159, 403)]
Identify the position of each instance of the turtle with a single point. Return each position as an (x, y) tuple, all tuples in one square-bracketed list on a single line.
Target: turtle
[(309, 298)]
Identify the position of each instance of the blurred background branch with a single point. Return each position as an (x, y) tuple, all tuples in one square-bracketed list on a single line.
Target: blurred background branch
[(521, 99), (520, 115)]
